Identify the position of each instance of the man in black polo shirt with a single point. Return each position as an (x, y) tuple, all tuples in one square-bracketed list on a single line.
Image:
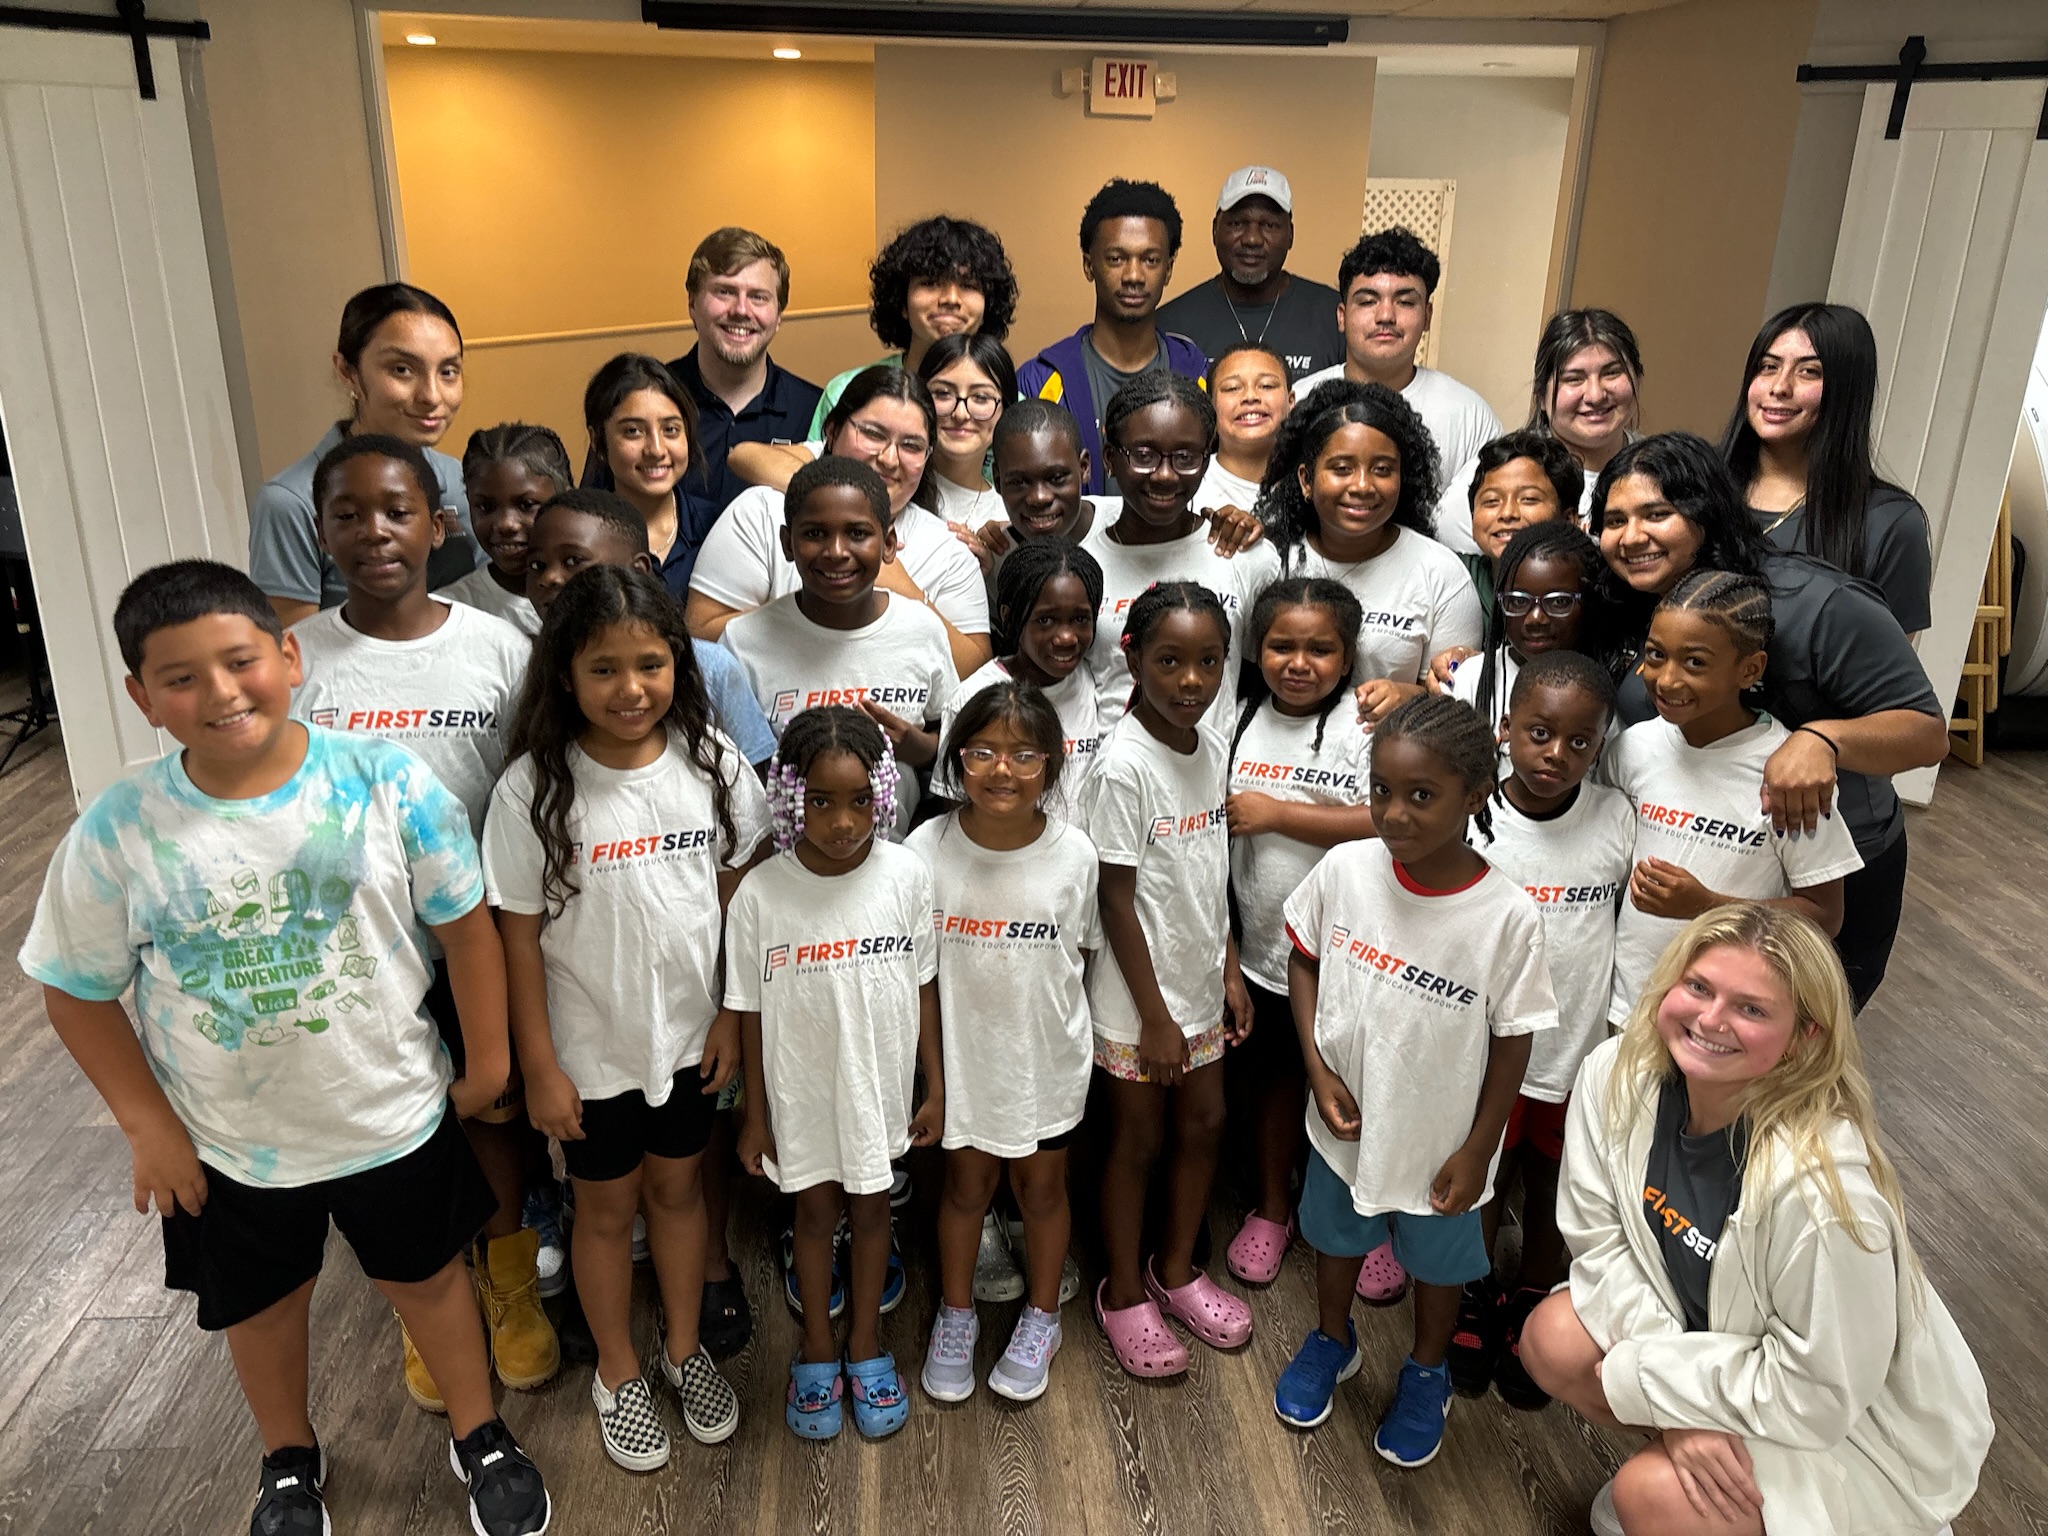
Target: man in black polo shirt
[(739, 285), (1254, 298)]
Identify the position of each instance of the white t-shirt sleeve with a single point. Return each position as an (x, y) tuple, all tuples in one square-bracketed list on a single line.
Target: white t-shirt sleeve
[(742, 944), (514, 862), (1304, 913), (79, 941), (736, 564), (955, 586), (1455, 617), (1814, 858), (1117, 818), (1523, 1000)]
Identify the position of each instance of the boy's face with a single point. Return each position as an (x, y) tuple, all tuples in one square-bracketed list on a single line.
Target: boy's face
[(564, 541), (220, 685), (1383, 317), (1553, 737), (378, 528), (1039, 475), (1130, 266), (838, 545), (1515, 495)]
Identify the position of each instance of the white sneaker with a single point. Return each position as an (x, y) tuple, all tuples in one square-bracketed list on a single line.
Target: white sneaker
[(996, 1275), (629, 1425), (1603, 1519)]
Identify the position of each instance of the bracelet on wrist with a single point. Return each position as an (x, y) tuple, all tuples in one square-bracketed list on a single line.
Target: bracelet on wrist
[(1828, 740)]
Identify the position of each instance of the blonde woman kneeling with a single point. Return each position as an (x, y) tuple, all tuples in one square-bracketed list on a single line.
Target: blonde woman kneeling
[(1742, 1286)]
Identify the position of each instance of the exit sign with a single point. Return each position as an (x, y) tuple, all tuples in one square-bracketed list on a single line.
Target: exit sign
[(1122, 88)]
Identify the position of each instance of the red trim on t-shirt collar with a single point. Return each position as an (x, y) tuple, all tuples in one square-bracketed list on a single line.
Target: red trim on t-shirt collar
[(1410, 883)]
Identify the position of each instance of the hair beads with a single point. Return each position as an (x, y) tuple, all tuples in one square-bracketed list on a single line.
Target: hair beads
[(814, 734)]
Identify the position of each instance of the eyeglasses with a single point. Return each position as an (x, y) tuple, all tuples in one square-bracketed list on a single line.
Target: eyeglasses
[(1185, 461), (877, 437), (982, 404), (981, 759), (1556, 605)]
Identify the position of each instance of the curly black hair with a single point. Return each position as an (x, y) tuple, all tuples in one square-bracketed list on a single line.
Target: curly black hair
[(1121, 199), (930, 251), (1398, 250), (1566, 478), (376, 445), (1289, 514)]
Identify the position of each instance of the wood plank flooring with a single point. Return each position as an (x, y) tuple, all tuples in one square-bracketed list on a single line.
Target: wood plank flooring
[(118, 1417)]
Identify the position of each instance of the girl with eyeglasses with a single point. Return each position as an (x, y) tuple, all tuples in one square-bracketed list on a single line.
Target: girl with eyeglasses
[(1550, 598), (972, 380)]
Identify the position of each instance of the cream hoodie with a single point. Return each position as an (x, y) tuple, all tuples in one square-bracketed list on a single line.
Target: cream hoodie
[(1860, 1403)]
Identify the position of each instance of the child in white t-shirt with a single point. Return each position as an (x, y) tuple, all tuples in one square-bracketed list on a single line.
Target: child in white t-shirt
[(266, 893), (1297, 787), (1166, 995), (841, 639), (442, 680), (831, 964), (614, 842), (1016, 919), (510, 472), (1695, 775), (1570, 843), (1046, 596), (1549, 598), (1417, 979)]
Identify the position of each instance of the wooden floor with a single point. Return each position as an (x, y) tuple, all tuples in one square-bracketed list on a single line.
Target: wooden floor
[(118, 1416)]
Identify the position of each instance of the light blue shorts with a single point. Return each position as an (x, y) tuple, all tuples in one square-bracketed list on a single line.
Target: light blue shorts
[(1437, 1250)]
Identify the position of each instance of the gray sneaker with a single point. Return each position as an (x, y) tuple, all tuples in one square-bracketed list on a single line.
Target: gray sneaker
[(948, 1373), (1022, 1373)]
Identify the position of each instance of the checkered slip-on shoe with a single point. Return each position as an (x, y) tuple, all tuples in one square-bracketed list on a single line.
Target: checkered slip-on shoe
[(633, 1436), (711, 1409)]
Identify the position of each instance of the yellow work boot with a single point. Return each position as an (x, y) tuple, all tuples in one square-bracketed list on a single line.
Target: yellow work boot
[(523, 1343), (419, 1386)]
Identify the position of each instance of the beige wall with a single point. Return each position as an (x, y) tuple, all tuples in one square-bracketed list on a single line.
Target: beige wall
[(1040, 158), (1502, 141), (1692, 142), (564, 192)]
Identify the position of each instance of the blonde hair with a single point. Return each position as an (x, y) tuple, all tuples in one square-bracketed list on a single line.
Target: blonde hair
[(1818, 1081)]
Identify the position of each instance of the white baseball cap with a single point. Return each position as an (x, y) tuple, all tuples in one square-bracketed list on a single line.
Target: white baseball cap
[(1256, 181)]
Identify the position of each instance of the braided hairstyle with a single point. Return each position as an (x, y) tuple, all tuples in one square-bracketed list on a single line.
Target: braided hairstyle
[(1023, 575), (1156, 388), (1448, 728), (537, 450), (1151, 609), (1740, 605), (818, 733), (1336, 600), (1599, 626), (550, 720), (1290, 514)]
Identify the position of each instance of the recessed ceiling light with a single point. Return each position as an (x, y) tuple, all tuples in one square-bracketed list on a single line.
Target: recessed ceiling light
[(421, 39), (789, 53)]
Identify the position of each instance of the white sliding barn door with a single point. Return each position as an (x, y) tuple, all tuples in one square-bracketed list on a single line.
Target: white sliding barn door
[(111, 386), (1944, 245)]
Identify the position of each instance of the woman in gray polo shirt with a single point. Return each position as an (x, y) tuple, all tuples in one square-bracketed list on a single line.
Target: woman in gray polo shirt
[(399, 354)]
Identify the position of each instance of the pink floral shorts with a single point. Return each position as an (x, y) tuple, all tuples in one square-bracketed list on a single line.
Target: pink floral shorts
[(1120, 1060)]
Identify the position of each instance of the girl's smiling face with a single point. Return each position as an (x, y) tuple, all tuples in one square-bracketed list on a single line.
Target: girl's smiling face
[(647, 445), (1156, 490), (504, 499), (1645, 540), (968, 403), (892, 438), (1354, 486), (624, 679), (1303, 658), (1696, 673), (1783, 400), (1729, 1019), (1592, 400), (1060, 629), (1534, 632), (1003, 770), (1250, 391)]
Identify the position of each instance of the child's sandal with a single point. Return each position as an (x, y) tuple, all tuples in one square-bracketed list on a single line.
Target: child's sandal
[(1260, 1247), (1219, 1319), (814, 1410), (1381, 1279), (880, 1405), (1144, 1345)]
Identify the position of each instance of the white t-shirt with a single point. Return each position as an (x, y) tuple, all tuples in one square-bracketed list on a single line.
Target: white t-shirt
[(1277, 757), (1454, 510), (480, 589), (1012, 927), (1073, 700), (741, 563), (1416, 596), (1220, 488), (1458, 418), (958, 504), (448, 696), (1161, 813), (901, 662), (632, 960), (1575, 867), (1700, 808), (1411, 990), (1464, 686), (832, 964), (275, 950), (1127, 570)]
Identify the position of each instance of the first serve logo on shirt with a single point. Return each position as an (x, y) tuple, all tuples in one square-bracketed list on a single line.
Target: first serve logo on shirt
[(1392, 970), (834, 954)]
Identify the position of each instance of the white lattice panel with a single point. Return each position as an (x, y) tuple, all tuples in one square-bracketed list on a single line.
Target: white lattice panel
[(1424, 207)]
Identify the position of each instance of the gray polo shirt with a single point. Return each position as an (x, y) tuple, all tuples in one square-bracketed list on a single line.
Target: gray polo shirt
[(285, 558)]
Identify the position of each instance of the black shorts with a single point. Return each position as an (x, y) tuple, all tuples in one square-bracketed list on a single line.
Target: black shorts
[(1274, 1047), (619, 1131), (251, 1247)]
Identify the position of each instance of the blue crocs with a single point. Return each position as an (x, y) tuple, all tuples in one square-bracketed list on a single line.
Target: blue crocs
[(880, 1405), (1307, 1389), (814, 1391), (1413, 1430)]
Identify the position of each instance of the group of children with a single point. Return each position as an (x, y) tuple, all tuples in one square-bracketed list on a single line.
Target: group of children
[(1305, 834)]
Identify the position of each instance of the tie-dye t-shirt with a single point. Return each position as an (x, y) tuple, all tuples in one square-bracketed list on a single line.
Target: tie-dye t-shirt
[(275, 950)]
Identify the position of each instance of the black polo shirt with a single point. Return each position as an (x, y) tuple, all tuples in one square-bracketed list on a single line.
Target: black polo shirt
[(781, 413)]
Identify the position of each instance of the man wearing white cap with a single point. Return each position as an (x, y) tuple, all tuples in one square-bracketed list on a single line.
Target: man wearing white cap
[(1254, 298)]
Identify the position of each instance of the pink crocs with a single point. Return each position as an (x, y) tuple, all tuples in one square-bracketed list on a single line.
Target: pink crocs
[(1144, 1345), (1209, 1312), (1381, 1279), (1256, 1253)]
